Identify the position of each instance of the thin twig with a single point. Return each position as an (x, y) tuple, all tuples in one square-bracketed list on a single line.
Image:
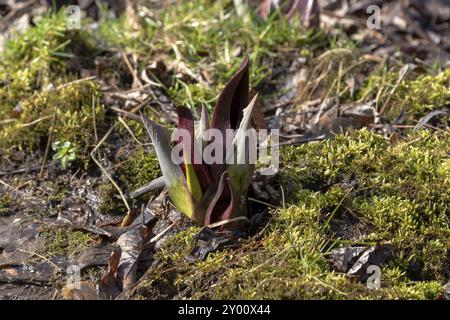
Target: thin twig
[(49, 142), (130, 68), (267, 261), (6, 121), (17, 191), (29, 124), (401, 76), (16, 8), (325, 103), (126, 113), (93, 118), (105, 172), (18, 171), (132, 133), (43, 258), (227, 221), (329, 286), (64, 85), (262, 202), (161, 234), (301, 141), (327, 223)]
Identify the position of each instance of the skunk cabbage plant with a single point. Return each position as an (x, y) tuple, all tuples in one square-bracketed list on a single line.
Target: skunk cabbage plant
[(204, 190), (307, 10)]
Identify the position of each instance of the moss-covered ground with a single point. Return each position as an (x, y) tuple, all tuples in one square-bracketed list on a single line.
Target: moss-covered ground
[(384, 186), (363, 187)]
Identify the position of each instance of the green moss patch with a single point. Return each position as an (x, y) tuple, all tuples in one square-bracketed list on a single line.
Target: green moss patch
[(78, 115), (135, 171), (415, 95), (5, 201), (401, 191), (397, 193), (424, 94), (42, 55), (65, 242)]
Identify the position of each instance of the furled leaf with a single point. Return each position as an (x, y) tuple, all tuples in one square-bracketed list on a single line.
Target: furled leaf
[(221, 206), (228, 111), (204, 124), (186, 121), (173, 175), (240, 169), (308, 10), (264, 9), (241, 7), (192, 180), (232, 100), (226, 204)]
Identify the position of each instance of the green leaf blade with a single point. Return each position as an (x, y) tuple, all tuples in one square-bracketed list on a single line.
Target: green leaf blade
[(175, 181)]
